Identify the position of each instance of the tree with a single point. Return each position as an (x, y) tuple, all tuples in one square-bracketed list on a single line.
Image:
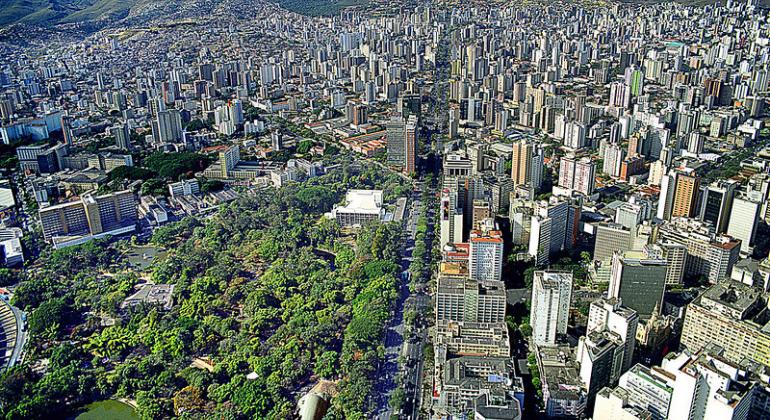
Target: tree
[(326, 364), (7, 277), (397, 399), (155, 187), (188, 399), (47, 318)]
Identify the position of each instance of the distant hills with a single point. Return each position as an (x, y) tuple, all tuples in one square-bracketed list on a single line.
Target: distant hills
[(46, 13), (51, 12)]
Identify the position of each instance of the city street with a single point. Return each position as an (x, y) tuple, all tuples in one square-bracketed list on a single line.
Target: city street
[(403, 356)]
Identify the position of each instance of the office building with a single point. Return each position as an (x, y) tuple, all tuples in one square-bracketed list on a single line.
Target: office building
[(675, 256), (486, 255), (410, 145), (610, 238), (402, 142), (564, 395), (450, 219), (613, 404), (708, 254), (466, 300), (122, 135), (717, 202), (608, 314), (744, 218), (481, 212), (479, 385), (690, 386), (167, 127), (638, 282), (89, 217), (551, 298), (731, 315), (601, 356), (11, 251)]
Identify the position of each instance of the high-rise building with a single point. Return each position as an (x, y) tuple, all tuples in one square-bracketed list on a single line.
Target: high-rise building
[(607, 314), (167, 126), (486, 255), (410, 104), (481, 212), (577, 175), (66, 129), (461, 299), (611, 237), (228, 159), (731, 315), (402, 142), (600, 355), (613, 159), (708, 254), (540, 239), (685, 195), (675, 256), (744, 218), (396, 128), (122, 136), (706, 384), (613, 404), (678, 194), (551, 297), (360, 115), (410, 146), (451, 219), (527, 164), (717, 202), (638, 282), (522, 162)]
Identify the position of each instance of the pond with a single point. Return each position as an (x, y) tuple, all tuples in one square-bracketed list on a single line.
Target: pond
[(108, 409)]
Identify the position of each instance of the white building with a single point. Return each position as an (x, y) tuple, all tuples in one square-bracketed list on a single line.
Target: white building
[(744, 218), (361, 207), (551, 296), (607, 314), (486, 255), (184, 188), (577, 175)]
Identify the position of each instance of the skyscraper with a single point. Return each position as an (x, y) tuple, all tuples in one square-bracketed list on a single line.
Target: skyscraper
[(638, 282), (717, 202), (396, 128), (577, 174), (402, 142), (122, 136), (167, 127), (549, 314), (410, 145), (608, 314), (521, 163), (486, 255), (744, 218), (66, 129), (685, 195), (451, 219)]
